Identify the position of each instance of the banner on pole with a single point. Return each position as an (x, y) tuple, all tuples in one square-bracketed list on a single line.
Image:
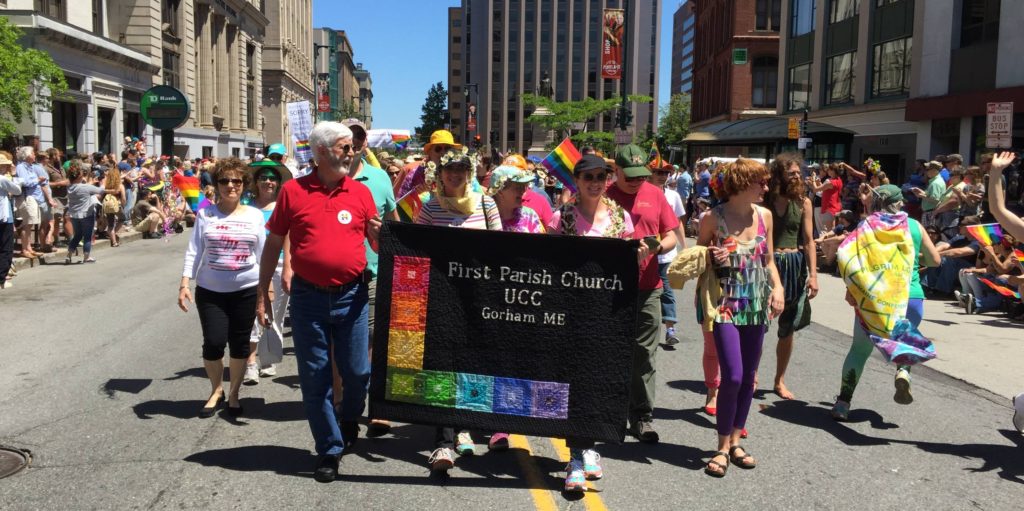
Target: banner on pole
[(300, 119), (614, 28), (323, 93), (504, 331)]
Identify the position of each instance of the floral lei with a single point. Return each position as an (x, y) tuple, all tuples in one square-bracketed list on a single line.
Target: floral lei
[(430, 174), (615, 212)]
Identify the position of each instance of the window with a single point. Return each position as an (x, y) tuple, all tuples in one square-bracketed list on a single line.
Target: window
[(801, 17), (980, 22), (172, 63), (457, 40), (169, 15), (52, 8), (799, 87), (841, 10), (97, 18), (250, 87), (456, 23), (880, 3), (765, 80), (839, 85), (890, 73), (767, 14)]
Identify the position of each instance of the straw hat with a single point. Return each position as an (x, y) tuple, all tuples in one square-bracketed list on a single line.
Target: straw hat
[(4, 160), (441, 137)]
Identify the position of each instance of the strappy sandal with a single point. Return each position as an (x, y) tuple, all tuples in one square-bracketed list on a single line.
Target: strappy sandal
[(739, 460), (724, 467)]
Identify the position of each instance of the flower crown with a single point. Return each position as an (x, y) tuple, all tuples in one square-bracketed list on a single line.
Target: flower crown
[(452, 155), (873, 166)]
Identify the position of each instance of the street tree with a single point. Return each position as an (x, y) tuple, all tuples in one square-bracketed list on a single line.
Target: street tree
[(435, 112), (675, 120), (566, 116), (31, 80)]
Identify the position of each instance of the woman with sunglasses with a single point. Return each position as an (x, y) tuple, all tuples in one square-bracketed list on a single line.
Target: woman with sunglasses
[(454, 204), (742, 251), (264, 188), (591, 213), (441, 141), (223, 256)]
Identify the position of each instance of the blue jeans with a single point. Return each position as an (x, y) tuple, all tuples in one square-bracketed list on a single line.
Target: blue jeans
[(322, 320), (668, 296), (945, 277), (129, 203), (83, 233)]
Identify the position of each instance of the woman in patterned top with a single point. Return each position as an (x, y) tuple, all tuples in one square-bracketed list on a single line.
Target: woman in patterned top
[(508, 185), (742, 254)]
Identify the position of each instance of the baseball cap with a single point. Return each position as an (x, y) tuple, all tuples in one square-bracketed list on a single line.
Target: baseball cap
[(890, 194), (277, 148), (632, 160), (590, 162), (355, 123)]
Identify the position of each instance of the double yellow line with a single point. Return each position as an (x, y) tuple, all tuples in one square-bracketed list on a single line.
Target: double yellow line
[(542, 498)]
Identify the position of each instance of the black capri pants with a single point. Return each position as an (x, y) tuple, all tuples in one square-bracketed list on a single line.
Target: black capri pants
[(227, 320)]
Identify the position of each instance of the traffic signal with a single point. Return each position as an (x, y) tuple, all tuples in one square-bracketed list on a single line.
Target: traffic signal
[(476, 142)]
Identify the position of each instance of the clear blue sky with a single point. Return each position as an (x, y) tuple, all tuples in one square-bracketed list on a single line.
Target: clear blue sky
[(403, 43)]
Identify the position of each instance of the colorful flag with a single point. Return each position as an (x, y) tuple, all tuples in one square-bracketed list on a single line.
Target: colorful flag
[(561, 161), (400, 140), (986, 234), (654, 159), (409, 206), (203, 203), (999, 288), (1018, 252), (188, 187)]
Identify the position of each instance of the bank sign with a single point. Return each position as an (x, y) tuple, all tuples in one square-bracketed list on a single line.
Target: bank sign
[(164, 107)]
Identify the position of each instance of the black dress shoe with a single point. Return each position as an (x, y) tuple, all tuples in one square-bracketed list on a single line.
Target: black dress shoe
[(208, 411), (235, 411), (326, 469), (349, 433)]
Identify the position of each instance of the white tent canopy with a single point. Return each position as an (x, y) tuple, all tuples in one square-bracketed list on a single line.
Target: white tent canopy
[(384, 138)]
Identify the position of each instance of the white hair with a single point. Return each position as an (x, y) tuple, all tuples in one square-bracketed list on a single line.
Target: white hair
[(326, 133), (24, 152)]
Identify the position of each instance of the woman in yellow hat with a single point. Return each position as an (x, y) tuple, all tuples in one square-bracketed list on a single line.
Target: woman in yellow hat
[(441, 141)]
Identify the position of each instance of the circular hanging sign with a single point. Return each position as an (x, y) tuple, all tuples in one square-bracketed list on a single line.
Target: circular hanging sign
[(164, 107)]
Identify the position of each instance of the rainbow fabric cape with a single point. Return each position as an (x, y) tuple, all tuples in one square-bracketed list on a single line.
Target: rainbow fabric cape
[(1018, 252), (999, 288), (560, 163), (188, 187), (409, 206), (986, 234)]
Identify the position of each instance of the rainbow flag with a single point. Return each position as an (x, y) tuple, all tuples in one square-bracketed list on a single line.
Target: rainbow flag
[(188, 187), (999, 288), (203, 203), (986, 234), (561, 161), (409, 206), (400, 141), (1018, 252), (654, 159)]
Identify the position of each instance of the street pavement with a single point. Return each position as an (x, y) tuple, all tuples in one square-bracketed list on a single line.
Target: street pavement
[(102, 380)]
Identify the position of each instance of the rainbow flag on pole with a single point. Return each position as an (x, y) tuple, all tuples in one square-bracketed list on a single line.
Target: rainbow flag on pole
[(1018, 252), (654, 159), (986, 234), (188, 187), (409, 206), (561, 161)]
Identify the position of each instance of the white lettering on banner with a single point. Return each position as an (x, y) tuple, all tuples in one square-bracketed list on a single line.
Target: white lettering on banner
[(522, 297), (507, 315), (573, 279)]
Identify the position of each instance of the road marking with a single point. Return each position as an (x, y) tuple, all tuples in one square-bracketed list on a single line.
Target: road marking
[(591, 498), (542, 498)]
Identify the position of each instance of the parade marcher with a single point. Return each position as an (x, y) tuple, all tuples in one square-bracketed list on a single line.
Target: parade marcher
[(327, 218), (739, 234), (268, 342), (659, 178), (887, 207), (795, 256), (654, 224), (30, 200), (9, 187), (441, 141), (81, 196), (533, 199), (592, 213), (223, 257), (455, 205), (508, 187)]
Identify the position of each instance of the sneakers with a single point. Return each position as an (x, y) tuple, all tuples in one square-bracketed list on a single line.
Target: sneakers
[(960, 298), (270, 370), (575, 479), (1018, 412), (464, 444), (971, 305), (592, 465), (841, 410), (252, 375), (326, 469), (670, 336), (498, 442), (903, 395), (644, 431), (441, 459)]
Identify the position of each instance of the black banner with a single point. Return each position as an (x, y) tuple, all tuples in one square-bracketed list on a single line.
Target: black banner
[(496, 331)]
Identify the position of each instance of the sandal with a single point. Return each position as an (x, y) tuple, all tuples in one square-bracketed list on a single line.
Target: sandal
[(724, 467), (739, 461)]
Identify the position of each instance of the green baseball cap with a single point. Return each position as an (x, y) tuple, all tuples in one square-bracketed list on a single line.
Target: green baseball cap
[(632, 160), (890, 194)]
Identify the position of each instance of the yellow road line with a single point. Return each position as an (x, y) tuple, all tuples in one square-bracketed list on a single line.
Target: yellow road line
[(542, 498), (591, 499)]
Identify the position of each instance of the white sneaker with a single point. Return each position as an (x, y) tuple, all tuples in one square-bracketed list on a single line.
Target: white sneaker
[(270, 370), (464, 444), (592, 464), (903, 395), (252, 375), (575, 481), (441, 459)]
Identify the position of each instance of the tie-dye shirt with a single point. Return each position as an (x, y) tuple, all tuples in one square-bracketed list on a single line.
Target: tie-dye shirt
[(523, 220), (744, 278)]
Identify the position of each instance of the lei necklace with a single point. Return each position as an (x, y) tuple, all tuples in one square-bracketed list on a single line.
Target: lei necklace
[(616, 214)]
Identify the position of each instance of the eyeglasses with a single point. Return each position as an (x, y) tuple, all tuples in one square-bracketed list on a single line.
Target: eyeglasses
[(594, 177), (345, 149), (636, 179), (269, 177), (225, 181), (440, 148)]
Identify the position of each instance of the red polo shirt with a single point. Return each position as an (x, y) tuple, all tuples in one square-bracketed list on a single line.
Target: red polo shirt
[(652, 216), (326, 228)]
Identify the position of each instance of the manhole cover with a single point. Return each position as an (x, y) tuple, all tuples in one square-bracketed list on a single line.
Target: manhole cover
[(13, 460)]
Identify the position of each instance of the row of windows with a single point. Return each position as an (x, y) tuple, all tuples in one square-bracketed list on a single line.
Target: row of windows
[(890, 75)]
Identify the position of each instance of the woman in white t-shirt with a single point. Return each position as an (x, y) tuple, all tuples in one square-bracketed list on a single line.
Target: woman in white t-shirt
[(223, 256)]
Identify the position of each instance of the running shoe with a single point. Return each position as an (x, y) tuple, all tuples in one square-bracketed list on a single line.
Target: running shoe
[(575, 479), (971, 305), (841, 410), (270, 370), (464, 444), (252, 375), (441, 459), (960, 298), (592, 465), (670, 336), (1018, 412), (903, 395), (498, 442)]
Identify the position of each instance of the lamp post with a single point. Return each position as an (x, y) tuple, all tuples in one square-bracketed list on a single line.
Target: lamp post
[(469, 113)]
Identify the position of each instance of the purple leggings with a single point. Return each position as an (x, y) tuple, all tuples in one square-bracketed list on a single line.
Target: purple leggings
[(739, 353)]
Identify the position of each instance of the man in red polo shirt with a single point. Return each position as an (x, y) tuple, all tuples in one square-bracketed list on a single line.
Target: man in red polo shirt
[(653, 223), (326, 216)]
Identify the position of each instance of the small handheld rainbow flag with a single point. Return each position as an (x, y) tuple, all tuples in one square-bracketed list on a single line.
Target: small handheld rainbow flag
[(189, 189), (986, 234), (400, 140), (999, 288), (1018, 252), (561, 161), (654, 158), (409, 206)]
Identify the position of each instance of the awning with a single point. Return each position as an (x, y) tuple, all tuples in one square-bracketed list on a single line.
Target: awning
[(759, 130)]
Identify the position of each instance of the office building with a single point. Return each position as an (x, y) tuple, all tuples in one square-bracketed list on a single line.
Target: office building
[(459, 97), (287, 65), (684, 23)]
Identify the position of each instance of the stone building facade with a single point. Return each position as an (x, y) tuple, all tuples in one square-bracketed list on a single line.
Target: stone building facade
[(287, 65)]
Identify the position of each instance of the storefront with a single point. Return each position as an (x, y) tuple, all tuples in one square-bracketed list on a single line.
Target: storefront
[(764, 137)]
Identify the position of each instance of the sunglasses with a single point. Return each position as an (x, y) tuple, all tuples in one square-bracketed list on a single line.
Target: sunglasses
[(441, 148), (603, 176), (269, 177), (345, 149), (225, 181), (636, 179)]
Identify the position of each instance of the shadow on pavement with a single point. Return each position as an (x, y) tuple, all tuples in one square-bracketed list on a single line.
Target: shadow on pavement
[(1004, 458), (290, 381), (682, 456), (695, 386), (197, 372), (131, 386), (801, 413), (259, 458), (695, 416), (188, 409)]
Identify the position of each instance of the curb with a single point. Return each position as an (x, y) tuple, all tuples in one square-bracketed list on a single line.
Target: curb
[(57, 256)]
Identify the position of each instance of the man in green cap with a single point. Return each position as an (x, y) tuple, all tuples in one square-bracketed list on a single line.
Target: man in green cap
[(653, 225)]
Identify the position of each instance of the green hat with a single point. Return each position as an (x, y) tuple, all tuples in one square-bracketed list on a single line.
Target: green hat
[(632, 160), (890, 194)]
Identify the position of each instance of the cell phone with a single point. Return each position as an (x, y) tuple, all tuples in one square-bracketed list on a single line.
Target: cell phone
[(651, 242)]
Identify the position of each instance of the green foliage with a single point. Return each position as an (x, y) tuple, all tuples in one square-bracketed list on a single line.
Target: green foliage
[(566, 114), (600, 140), (435, 112), (674, 123), (25, 71)]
